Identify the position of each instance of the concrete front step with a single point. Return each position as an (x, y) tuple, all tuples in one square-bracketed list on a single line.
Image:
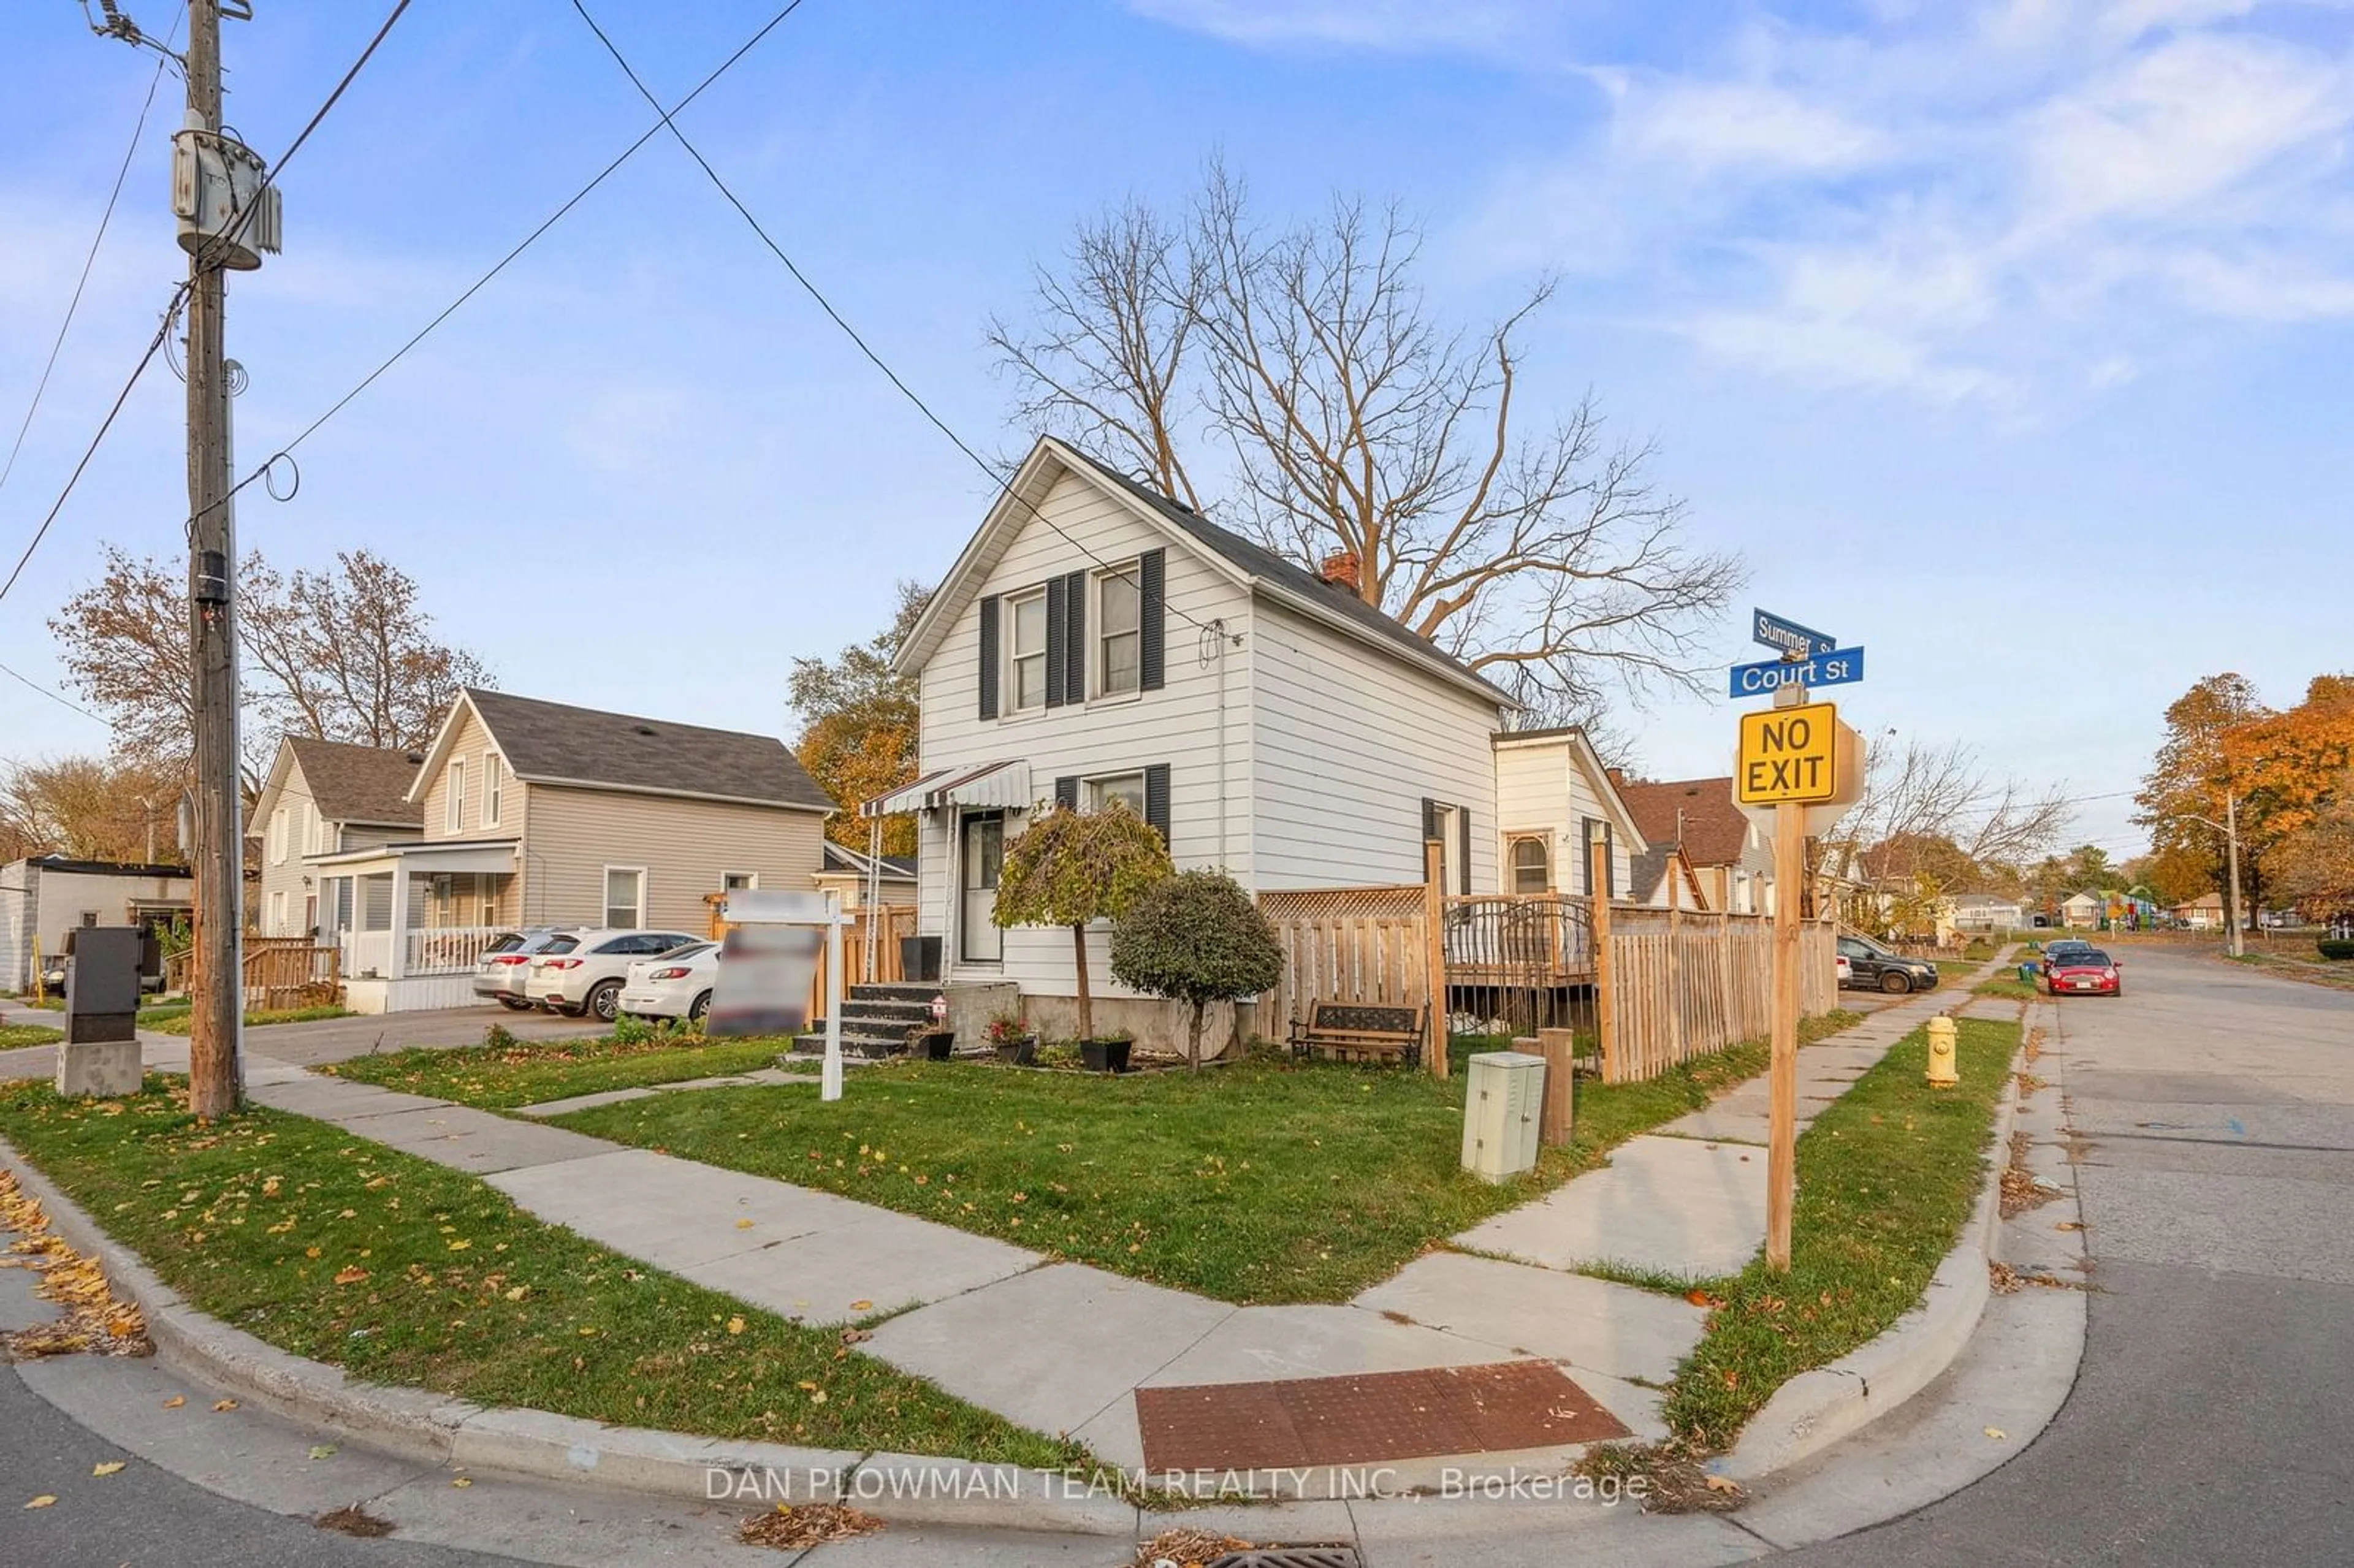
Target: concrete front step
[(918, 993), (854, 1043)]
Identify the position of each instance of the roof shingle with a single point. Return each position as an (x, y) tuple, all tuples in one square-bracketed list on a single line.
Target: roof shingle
[(1714, 831), (556, 742), (359, 783)]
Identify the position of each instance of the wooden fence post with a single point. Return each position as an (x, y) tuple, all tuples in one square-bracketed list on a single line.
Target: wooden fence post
[(1675, 960), (1434, 935), (1559, 1120), (1597, 860)]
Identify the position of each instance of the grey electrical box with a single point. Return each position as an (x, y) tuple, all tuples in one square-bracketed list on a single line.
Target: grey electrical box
[(102, 984), (1500, 1111)]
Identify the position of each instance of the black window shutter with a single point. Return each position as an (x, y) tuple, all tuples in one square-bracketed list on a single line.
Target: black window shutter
[(1463, 844), (1429, 819), (1152, 620), (1055, 593), (1155, 797), (1609, 862), (1585, 856), (1075, 637), (1067, 791), (988, 657)]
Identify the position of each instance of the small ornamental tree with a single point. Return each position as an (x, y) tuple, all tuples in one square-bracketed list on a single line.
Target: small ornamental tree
[(1196, 937), (1069, 868)]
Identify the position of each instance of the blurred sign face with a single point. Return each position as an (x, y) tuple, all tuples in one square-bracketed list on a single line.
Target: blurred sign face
[(765, 974)]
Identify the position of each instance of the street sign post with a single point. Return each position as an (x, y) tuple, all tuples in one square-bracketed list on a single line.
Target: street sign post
[(1768, 676), (1799, 760), (1789, 636)]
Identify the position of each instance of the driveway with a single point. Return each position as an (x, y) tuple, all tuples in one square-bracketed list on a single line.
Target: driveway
[(320, 1040), (2208, 1420)]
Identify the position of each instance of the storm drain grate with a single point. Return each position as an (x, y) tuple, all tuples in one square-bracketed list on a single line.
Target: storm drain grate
[(1292, 1557)]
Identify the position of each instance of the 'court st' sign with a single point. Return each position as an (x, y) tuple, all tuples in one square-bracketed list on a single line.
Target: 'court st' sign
[(1789, 756)]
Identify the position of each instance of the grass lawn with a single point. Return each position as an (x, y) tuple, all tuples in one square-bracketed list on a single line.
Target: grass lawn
[(525, 1072), (1886, 1178), (2009, 984), (174, 1019), (15, 1035), (403, 1272), (1269, 1181)]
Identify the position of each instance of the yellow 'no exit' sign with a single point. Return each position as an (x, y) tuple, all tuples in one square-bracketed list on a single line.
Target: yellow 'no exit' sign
[(1789, 756)]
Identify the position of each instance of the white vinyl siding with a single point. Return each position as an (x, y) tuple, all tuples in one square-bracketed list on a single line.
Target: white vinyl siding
[(1210, 825), (685, 846), (473, 739), (1347, 743), (1541, 789)]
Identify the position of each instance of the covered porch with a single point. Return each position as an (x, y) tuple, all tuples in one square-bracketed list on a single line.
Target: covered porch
[(412, 919)]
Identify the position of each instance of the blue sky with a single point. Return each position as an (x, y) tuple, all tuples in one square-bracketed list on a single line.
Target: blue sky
[(2012, 341)]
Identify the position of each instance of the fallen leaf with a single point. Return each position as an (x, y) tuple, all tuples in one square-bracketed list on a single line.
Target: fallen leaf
[(225, 1405), (350, 1276), (1996, 1433), (818, 1398), (176, 1401), (111, 1467), (45, 1500), (323, 1450), (1721, 1483), (743, 1225), (518, 1292), (735, 1325), (1697, 1297), (862, 1305), (463, 1481)]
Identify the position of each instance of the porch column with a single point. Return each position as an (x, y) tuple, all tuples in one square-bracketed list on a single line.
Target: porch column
[(396, 962)]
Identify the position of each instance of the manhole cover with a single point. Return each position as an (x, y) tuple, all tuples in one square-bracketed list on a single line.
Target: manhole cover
[(1291, 1557)]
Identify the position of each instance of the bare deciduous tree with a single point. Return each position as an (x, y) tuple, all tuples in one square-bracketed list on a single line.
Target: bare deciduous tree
[(1924, 803), (87, 808), (1353, 420), (343, 655)]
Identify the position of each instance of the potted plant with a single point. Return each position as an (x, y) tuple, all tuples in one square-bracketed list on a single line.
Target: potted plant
[(1107, 1055), (1013, 1040), (1196, 937), (1070, 868)]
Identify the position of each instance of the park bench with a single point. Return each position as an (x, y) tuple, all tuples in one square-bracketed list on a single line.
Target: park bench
[(1352, 1030)]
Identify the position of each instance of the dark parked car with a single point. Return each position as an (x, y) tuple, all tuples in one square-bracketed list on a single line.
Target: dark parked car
[(2064, 947), (1872, 966), (2085, 972)]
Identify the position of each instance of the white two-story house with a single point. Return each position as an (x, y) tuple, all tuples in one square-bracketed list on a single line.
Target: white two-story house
[(1097, 640)]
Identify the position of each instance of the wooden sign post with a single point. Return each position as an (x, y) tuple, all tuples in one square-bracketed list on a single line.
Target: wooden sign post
[(1796, 756)]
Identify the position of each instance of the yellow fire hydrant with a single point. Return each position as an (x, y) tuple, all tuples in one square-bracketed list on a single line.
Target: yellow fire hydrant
[(1942, 1070)]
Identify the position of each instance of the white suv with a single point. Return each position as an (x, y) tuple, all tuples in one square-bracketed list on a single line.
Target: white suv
[(583, 973)]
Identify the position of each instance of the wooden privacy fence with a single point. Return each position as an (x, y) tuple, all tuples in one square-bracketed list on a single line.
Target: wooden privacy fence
[(283, 972), (1674, 986), (1365, 945)]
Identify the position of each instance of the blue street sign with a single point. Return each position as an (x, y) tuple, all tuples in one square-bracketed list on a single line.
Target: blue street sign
[(1788, 635), (1836, 668)]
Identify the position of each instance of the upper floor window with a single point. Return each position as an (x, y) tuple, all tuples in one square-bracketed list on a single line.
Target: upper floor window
[(1532, 864), (1027, 656), (1119, 645), (495, 778), (456, 817)]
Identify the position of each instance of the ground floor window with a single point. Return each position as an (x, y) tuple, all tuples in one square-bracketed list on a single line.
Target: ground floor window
[(1127, 788), (1532, 864), (625, 896)]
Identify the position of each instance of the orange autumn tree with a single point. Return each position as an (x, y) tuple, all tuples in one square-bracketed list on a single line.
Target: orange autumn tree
[(858, 730), (2295, 761)]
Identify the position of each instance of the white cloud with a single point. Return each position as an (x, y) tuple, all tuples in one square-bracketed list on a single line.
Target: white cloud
[(1398, 25), (1740, 126)]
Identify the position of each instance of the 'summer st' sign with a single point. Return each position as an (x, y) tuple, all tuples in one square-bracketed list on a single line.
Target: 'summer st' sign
[(1787, 635), (1769, 675), (1789, 756)]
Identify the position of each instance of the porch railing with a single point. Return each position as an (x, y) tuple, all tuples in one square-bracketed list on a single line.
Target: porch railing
[(367, 953), (448, 951)]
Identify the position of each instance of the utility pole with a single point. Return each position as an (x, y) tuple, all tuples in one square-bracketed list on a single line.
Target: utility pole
[(2231, 851), (215, 1073)]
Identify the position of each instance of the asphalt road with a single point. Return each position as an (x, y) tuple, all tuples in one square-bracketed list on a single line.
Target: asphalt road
[(2212, 1420)]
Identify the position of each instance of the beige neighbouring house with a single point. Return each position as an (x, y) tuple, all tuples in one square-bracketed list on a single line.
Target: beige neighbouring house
[(539, 813)]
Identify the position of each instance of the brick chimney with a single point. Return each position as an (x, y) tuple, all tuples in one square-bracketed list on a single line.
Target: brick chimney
[(1618, 775), (1342, 569)]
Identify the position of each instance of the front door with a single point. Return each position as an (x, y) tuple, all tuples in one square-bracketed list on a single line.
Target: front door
[(984, 850)]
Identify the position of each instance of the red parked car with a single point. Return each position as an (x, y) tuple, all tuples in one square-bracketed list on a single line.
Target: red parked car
[(2085, 972)]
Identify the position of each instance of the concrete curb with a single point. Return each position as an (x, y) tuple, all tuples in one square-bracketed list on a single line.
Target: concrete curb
[(431, 1428), (1816, 1409)]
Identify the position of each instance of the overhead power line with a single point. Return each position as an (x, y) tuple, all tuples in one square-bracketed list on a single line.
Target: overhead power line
[(529, 239), (180, 294), (1003, 482), (58, 698), (88, 261)]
